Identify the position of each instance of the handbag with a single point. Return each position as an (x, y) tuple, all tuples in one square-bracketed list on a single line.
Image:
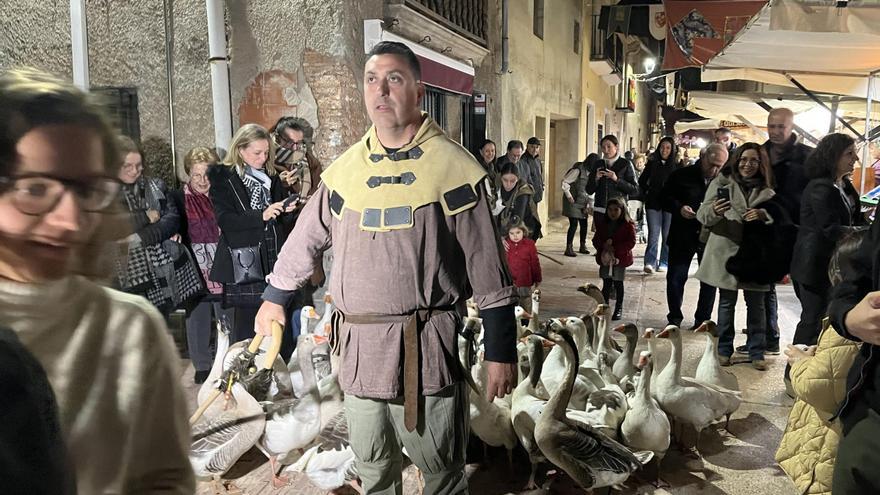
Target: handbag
[(247, 262)]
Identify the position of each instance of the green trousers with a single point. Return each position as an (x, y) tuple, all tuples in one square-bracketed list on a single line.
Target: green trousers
[(858, 456), (437, 446)]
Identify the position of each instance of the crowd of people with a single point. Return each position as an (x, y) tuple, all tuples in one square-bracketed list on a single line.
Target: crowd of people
[(242, 241)]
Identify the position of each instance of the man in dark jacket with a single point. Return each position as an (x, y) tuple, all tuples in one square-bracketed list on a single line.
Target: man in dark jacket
[(855, 314), (683, 193), (530, 168), (787, 157)]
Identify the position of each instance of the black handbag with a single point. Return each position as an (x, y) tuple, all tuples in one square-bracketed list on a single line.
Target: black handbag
[(247, 264)]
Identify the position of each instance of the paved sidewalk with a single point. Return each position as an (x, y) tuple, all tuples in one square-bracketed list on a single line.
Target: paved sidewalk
[(738, 463)]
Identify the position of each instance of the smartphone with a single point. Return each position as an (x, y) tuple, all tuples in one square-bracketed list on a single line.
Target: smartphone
[(290, 199), (723, 194)]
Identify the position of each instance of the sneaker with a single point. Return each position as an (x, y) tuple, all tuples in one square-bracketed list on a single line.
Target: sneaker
[(200, 376), (772, 351), (583, 249), (649, 269), (743, 349), (724, 360), (661, 269), (759, 364), (618, 313)]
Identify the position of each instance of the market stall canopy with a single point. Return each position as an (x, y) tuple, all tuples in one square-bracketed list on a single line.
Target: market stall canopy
[(827, 49)]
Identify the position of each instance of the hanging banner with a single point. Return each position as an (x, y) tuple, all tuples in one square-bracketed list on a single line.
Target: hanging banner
[(657, 21), (697, 30)]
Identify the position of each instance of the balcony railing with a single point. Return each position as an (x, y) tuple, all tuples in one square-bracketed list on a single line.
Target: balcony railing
[(468, 18), (604, 47)]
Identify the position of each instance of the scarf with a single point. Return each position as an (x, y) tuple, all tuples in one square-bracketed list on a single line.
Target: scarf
[(203, 233), (258, 184)]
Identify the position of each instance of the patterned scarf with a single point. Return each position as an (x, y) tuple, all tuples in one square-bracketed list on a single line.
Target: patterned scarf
[(203, 233), (257, 184)]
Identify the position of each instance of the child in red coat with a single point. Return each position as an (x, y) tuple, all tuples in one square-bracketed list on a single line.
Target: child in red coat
[(522, 259), (614, 241)]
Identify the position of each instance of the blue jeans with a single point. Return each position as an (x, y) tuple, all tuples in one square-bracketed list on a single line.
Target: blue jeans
[(676, 278), (658, 223), (755, 322), (771, 308)]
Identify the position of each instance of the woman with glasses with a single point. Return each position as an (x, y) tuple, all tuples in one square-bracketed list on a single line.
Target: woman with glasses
[(740, 194), (107, 354), (147, 266), (248, 198)]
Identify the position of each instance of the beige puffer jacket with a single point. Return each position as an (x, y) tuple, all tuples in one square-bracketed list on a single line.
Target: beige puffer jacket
[(809, 445)]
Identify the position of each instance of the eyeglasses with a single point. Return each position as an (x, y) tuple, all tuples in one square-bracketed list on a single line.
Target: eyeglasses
[(291, 145), (38, 194), (754, 162)]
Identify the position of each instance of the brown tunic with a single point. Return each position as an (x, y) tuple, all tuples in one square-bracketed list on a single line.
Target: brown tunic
[(439, 262)]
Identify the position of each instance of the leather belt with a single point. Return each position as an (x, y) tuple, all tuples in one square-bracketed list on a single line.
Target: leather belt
[(412, 326)]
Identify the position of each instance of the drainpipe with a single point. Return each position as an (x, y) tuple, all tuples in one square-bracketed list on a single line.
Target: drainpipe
[(219, 74), (79, 44), (168, 13), (505, 49)]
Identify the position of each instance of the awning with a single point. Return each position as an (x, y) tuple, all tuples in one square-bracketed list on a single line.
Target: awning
[(795, 39), (438, 70)]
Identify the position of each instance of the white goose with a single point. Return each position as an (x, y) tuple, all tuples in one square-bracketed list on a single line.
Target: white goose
[(646, 426), (527, 406), (331, 463), (608, 405), (590, 458), (623, 366), (709, 370), (293, 423), (554, 371), (686, 400), (605, 342), (293, 367)]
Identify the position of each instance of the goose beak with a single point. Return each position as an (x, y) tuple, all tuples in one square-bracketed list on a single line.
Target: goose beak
[(313, 314), (527, 315), (643, 360), (619, 328), (328, 298), (702, 328), (664, 334), (319, 339)]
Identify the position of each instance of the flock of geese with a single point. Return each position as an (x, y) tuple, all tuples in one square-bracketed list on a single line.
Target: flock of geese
[(583, 403)]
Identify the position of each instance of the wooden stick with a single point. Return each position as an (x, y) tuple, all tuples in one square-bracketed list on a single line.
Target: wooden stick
[(204, 407)]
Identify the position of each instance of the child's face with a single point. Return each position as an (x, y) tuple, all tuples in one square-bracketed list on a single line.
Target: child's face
[(613, 212), (515, 235)]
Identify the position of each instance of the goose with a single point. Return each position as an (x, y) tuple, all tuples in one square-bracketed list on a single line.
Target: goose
[(709, 370), (608, 405), (490, 421), (534, 323), (526, 407), (590, 458), (212, 383), (293, 423), (623, 366), (323, 325), (223, 432), (472, 310), (330, 464), (686, 400), (553, 375), (293, 367), (646, 426), (605, 343), (521, 314), (592, 291)]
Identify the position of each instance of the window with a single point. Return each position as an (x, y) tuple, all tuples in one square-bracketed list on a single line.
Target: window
[(538, 19), (434, 103), (122, 106), (576, 46)]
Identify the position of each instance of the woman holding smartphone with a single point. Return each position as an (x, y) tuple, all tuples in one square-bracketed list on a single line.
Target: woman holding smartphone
[(736, 196)]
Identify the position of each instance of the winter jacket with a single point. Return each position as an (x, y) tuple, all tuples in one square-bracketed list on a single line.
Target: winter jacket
[(522, 260), (685, 186), (726, 232), (605, 188), (653, 178), (519, 207), (240, 225), (530, 168), (623, 240), (825, 218), (788, 175), (861, 276), (809, 445), (576, 179)]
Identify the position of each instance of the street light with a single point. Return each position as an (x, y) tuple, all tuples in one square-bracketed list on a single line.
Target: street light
[(650, 64)]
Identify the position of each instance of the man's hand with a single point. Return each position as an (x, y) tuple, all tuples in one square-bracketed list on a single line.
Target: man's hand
[(268, 313), (688, 212), (863, 321), (795, 353), (502, 377)]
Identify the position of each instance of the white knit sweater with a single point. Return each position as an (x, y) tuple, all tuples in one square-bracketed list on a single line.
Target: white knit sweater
[(113, 368)]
